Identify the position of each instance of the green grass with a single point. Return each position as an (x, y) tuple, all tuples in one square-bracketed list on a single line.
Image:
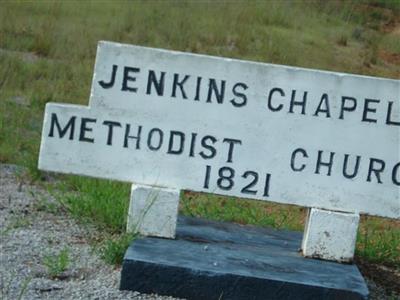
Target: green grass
[(17, 221), (43, 204), (93, 200), (242, 211), (379, 241), (58, 263), (112, 249), (48, 50)]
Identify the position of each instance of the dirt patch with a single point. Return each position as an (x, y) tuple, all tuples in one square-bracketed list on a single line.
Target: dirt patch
[(390, 57), (386, 277), (392, 26)]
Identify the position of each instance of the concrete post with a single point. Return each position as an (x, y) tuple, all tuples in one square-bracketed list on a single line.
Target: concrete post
[(153, 211), (330, 235)]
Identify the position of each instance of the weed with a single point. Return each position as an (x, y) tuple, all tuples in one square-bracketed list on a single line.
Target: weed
[(57, 264), (342, 40), (112, 250), (150, 200), (18, 221), (24, 286), (43, 204)]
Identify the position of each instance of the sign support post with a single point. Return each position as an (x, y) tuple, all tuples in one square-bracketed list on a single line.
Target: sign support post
[(330, 235), (153, 211)]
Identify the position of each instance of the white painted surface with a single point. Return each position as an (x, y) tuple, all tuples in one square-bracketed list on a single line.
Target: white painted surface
[(158, 168), (268, 138), (153, 211), (330, 235)]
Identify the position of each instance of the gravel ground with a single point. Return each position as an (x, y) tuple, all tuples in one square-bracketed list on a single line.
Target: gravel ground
[(30, 232), (32, 228)]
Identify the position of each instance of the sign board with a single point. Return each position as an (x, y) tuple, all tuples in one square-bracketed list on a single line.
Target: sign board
[(245, 129)]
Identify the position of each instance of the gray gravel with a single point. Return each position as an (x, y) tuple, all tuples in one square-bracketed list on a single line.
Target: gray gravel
[(32, 228)]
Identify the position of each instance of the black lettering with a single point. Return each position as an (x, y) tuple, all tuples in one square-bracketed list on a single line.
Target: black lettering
[(128, 77), (375, 169), (356, 167), (110, 84), (388, 117), (298, 103), (323, 106), (209, 147), (198, 85), (266, 185), (150, 138), (85, 129), (158, 85), (128, 136), (207, 177), (293, 159), (213, 89), (192, 145), (368, 109), (253, 182), (280, 106), (179, 84), (325, 164), (61, 132), (226, 175), (241, 95), (181, 137), (395, 173), (111, 126), (232, 143), (344, 107)]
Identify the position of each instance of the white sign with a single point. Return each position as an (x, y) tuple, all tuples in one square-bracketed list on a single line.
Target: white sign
[(268, 132)]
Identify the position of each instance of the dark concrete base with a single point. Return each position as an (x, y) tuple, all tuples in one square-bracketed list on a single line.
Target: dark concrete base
[(211, 260)]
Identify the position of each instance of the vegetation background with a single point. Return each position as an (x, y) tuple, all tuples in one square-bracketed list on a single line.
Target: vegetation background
[(47, 53)]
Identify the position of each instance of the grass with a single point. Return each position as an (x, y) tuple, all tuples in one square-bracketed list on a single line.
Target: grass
[(104, 201), (43, 204), (379, 241), (242, 211), (56, 264), (47, 52), (112, 250), (17, 221)]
